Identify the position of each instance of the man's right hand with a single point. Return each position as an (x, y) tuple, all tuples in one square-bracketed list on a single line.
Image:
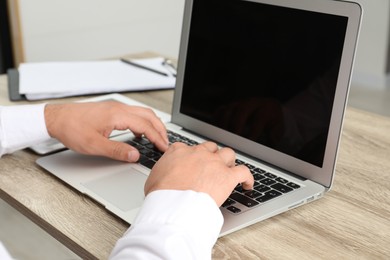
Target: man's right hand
[(202, 168)]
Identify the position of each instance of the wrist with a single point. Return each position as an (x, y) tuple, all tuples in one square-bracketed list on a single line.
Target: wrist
[(52, 112)]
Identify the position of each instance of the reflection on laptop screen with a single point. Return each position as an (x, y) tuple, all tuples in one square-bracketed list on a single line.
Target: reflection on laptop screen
[(264, 72)]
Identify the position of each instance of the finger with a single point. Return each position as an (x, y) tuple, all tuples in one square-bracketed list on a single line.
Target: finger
[(159, 140), (242, 175), (177, 145), (139, 125), (149, 115), (227, 155), (210, 146), (115, 150)]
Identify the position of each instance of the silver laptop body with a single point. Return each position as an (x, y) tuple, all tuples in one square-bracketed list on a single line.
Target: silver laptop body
[(268, 78)]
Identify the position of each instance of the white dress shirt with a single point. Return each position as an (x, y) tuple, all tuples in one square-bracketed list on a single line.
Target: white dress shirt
[(4, 255), (170, 225), (21, 127)]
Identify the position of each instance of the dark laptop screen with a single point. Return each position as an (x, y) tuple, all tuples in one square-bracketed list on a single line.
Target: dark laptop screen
[(263, 72)]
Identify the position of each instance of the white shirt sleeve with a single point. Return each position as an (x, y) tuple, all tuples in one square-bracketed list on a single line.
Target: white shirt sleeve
[(172, 225), (4, 255), (21, 127)]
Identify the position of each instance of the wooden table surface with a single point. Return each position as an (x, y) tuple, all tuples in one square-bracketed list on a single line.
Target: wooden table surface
[(352, 221)]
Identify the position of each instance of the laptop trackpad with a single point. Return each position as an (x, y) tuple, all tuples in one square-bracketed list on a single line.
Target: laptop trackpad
[(124, 189)]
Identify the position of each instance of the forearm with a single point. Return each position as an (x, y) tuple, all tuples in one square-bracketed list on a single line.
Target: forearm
[(21, 127)]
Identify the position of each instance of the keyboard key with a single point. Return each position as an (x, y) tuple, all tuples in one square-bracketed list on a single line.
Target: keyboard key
[(258, 177), (262, 188), (268, 181), (175, 137), (239, 162), (148, 163), (282, 188), (150, 146), (238, 188), (293, 185), (228, 202), (141, 141), (281, 180), (250, 166), (143, 151), (258, 170), (269, 195), (143, 159), (252, 194), (243, 199), (270, 175), (233, 209), (172, 139), (153, 155)]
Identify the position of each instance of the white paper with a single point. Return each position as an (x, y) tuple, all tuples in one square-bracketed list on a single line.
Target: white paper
[(61, 79)]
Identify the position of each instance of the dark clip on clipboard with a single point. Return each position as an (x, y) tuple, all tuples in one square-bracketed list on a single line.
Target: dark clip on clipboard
[(13, 85)]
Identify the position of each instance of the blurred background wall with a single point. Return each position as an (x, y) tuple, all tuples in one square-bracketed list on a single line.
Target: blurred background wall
[(46, 30)]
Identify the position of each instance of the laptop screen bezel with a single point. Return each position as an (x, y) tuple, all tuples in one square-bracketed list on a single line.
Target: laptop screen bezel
[(322, 175)]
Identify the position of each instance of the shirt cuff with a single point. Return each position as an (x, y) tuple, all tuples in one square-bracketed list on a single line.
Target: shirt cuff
[(195, 212), (172, 224), (21, 127)]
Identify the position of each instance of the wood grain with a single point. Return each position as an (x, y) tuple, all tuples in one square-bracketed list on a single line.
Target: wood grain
[(352, 221)]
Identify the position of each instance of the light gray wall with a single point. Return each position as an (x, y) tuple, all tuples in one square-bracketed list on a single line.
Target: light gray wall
[(93, 29), (372, 53)]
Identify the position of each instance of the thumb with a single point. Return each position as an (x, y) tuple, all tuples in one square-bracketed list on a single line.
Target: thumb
[(119, 151)]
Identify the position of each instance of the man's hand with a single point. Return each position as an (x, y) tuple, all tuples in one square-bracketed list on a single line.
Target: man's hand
[(85, 127), (202, 168)]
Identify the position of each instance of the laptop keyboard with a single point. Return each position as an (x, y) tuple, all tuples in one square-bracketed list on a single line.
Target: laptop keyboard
[(149, 154), (266, 187)]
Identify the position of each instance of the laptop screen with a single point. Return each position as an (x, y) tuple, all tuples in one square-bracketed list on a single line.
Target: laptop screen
[(263, 72)]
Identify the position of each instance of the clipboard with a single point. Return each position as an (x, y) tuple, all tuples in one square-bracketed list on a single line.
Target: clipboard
[(50, 80), (92, 75), (13, 86)]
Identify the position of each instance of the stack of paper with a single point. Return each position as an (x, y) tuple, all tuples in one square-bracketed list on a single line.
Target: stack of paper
[(62, 79)]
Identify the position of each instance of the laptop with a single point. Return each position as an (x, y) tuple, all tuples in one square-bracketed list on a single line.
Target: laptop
[(268, 78)]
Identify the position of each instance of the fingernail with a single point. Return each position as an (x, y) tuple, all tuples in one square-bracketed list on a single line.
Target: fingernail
[(132, 156)]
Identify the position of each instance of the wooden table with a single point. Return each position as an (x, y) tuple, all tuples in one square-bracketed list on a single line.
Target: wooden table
[(352, 221)]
